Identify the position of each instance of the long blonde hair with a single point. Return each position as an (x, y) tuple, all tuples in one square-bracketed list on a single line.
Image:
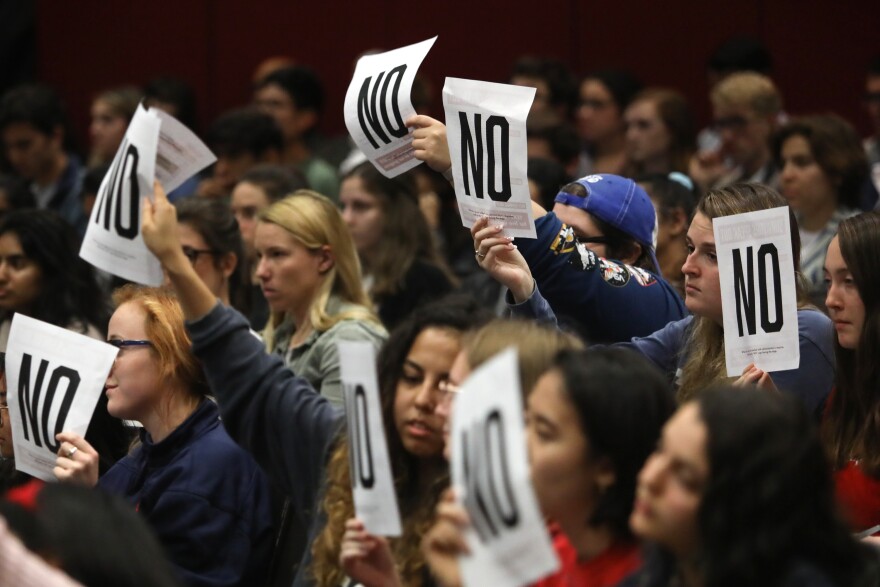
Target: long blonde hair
[(315, 221), (705, 364)]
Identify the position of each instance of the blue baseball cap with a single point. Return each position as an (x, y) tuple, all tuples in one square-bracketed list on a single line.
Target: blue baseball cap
[(620, 202)]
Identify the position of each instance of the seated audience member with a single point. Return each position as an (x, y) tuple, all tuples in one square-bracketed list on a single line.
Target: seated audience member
[(555, 88), (259, 188), (691, 350), (212, 242), (596, 219), (585, 451), (203, 495), (850, 427), (738, 493), (33, 132), (295, 432), (872, 143), (240, 139), (823, 170), (295, 98), (604, 97), (674, 199), (746, 109), (660, 132), (96, 538), (402, 268), (734, 55), (42, 275), (111, 112), (310, 275)]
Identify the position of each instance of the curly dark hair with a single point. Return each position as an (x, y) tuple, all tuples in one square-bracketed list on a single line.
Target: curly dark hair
[(69, 293), (458, 313), (768, 505)]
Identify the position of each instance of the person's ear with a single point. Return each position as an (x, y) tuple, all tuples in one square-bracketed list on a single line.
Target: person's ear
[(327, 261), (678, 222), (228, 263), (605, 476)]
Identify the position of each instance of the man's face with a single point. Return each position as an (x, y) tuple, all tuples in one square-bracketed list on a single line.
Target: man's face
[(274, 101), (745, 136), (30, 152)]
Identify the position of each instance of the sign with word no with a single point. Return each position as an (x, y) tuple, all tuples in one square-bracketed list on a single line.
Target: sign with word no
[(54, 379)]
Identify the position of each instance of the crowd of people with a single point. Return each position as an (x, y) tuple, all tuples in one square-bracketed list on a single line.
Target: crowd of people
[(218, 453)]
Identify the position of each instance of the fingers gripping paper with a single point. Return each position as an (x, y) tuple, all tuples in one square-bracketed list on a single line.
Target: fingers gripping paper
[(372, 485), (155, 146), (508, 540), (758, 294), (54, 379), (486, 131), (377, 103)]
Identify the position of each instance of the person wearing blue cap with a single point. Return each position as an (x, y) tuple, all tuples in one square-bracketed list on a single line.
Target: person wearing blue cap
[(595, 264), (594, 253)]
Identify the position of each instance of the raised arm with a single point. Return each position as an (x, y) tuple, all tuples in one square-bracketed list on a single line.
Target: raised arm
[(159, 230)]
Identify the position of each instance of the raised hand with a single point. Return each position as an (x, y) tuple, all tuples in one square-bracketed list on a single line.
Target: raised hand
[(499, 257), (429, 142), (366, 558)]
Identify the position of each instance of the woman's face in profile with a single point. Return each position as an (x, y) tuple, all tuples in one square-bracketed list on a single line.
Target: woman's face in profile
[(362, 213), (20, 276), (671, 485), (133, 386)]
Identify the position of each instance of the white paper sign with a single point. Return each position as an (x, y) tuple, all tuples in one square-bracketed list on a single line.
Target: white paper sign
[(758, 295), (113, 239), (508, 540), (375, 500), (181, 154), (486, 130), (54, 380), (378, 102)]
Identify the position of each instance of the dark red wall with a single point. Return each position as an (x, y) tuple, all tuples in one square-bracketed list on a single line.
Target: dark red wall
[(820, 47)]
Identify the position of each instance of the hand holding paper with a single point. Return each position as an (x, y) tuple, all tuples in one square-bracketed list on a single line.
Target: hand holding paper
[(429, 142), (444, 543), (77, 461), (366, 558), (753, 376), (499, 257)]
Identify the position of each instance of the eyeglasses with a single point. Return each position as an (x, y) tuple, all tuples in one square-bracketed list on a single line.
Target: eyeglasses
[(193, 254), (122, 343), (733, 123), (448, 389)]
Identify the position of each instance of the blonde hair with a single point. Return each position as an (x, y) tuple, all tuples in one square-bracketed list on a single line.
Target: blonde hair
[(537, 346), (314, 221), (167, 335), (749, 89), (705, 364)]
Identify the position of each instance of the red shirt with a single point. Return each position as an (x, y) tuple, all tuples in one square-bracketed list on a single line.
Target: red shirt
[(859, 496), (604, 570)]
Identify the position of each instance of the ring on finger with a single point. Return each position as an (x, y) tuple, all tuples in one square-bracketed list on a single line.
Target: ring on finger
[(479, 254), (71, 452)]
